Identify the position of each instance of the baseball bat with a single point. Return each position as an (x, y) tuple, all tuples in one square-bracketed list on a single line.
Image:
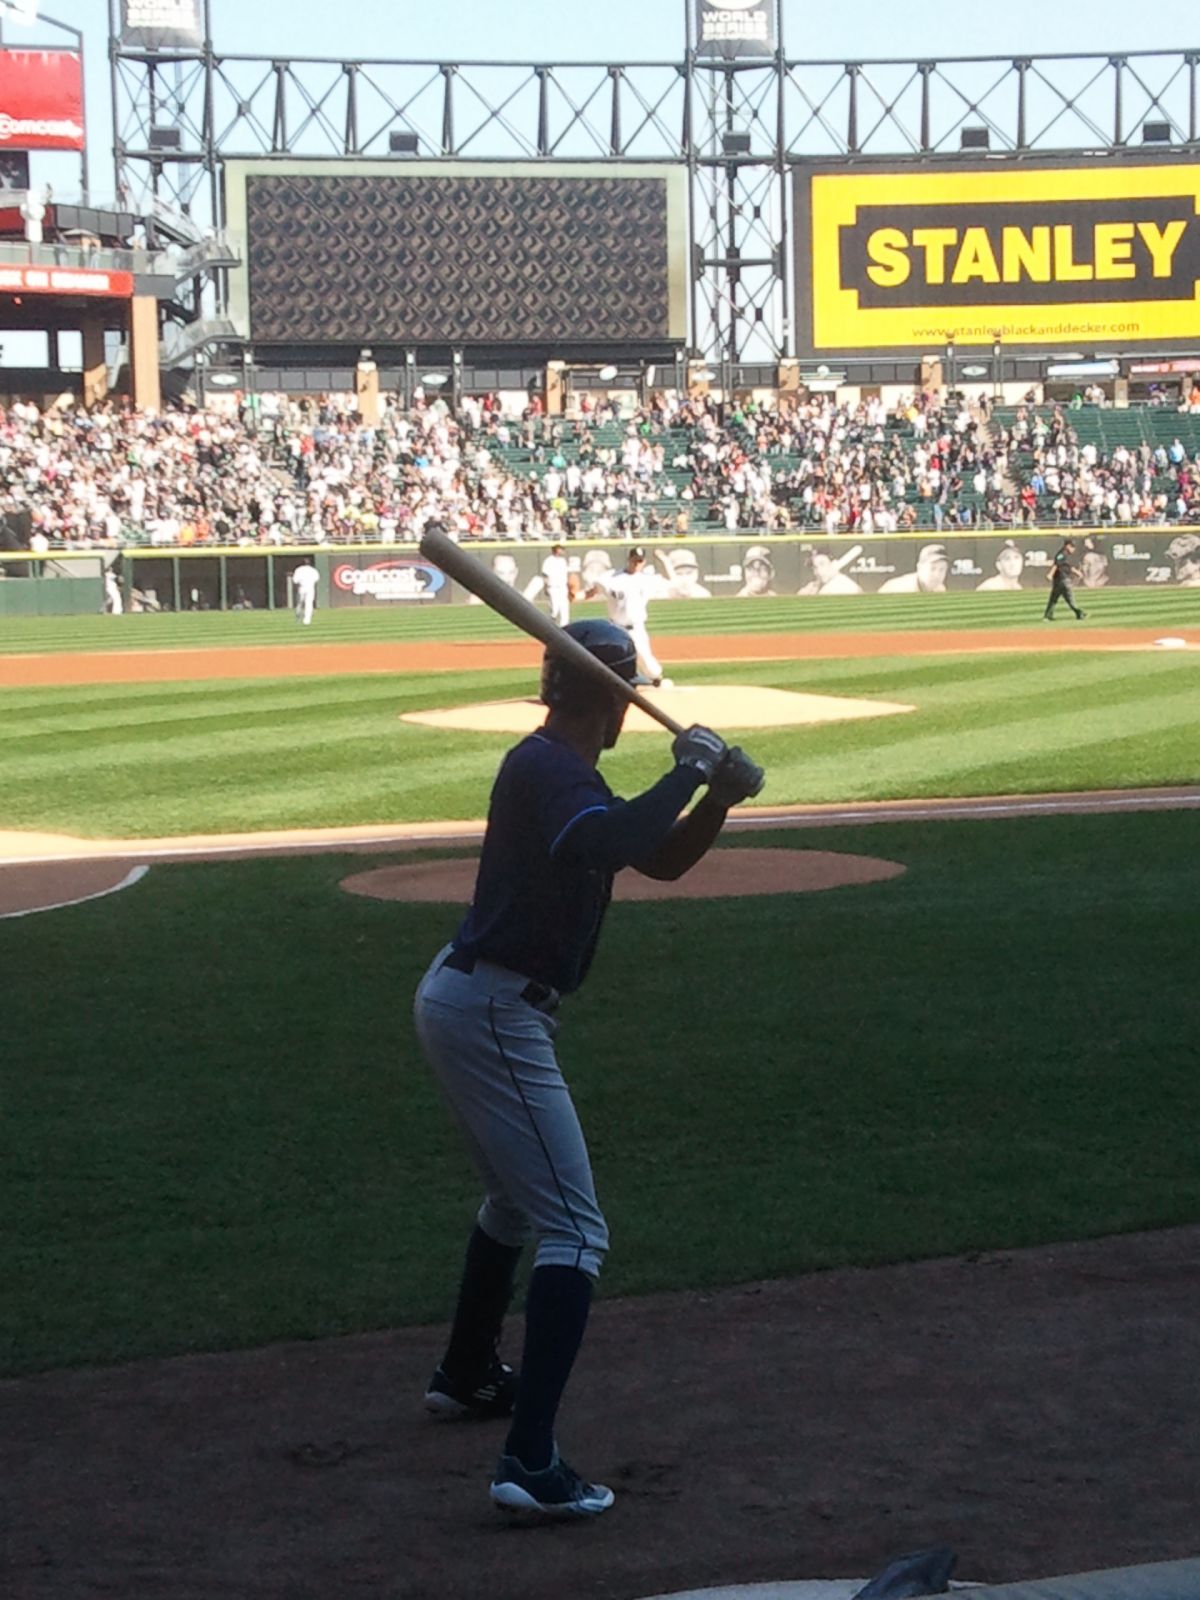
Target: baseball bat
[(468, 570), (852, 554)]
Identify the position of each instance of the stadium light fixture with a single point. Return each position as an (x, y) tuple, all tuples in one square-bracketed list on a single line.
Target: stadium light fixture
[(1156, 133), (434, 380), (163, 138), (974, 139), (607, 374), (403, 143)]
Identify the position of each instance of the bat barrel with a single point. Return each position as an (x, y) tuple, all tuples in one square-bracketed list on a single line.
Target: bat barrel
[(466, 569)]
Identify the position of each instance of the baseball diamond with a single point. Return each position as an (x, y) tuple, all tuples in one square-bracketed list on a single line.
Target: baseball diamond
[(599, 727), (951, 1297)]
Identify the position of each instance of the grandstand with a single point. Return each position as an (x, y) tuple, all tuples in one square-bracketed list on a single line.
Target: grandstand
[(1132, 458), (691, 377)]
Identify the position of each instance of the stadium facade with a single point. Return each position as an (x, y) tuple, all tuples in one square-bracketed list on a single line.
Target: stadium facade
[(776, 171)]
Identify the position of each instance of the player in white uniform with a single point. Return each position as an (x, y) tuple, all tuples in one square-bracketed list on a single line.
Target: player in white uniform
[(627, 594), (304, 585), (558, 592)]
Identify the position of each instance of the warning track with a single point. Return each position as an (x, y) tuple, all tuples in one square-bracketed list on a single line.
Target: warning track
[(328, 660)]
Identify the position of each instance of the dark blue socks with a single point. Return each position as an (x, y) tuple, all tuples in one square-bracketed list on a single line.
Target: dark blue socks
[(556, 1314), (483, 1299)]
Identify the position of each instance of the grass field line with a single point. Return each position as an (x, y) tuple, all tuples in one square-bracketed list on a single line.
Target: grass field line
[(134, 875), (39, 848)]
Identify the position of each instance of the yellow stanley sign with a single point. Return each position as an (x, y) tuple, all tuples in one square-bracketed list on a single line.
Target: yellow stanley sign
[(901, 260)]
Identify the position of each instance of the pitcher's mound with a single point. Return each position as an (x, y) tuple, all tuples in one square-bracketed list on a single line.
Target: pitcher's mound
[(712, 704), (720, 875)]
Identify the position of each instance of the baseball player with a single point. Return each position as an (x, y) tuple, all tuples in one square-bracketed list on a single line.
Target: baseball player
[(1062, 570), (486, 1018), (627, 595), (304, 584), (558, 590)]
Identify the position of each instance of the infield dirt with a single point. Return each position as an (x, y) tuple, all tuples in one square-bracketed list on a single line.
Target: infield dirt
[(319, 660)]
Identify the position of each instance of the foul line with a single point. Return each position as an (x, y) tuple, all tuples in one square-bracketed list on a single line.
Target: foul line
[(415, 836)]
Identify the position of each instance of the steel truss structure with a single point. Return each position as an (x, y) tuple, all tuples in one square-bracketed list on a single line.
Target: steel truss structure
[(739, 126)]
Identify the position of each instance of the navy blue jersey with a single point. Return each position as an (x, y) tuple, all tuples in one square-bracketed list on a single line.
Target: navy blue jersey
[(533, 910), (556, 834)]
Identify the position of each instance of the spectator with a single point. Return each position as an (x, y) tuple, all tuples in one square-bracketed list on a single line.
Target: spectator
[(304, 470)]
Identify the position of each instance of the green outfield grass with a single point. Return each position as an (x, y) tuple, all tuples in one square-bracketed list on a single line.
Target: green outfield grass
[(216, 1130), (163, 759), (1157, 608)]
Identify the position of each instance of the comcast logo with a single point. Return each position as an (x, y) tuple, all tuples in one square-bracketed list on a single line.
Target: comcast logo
[(38, 127)]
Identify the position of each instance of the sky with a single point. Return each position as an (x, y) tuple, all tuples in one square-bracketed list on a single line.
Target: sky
[(582, 30)]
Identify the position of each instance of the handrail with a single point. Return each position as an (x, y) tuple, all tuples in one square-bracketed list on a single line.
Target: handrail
[(24, 253)]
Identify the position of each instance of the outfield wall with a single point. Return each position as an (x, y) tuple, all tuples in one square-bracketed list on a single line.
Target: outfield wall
[(358, 576)]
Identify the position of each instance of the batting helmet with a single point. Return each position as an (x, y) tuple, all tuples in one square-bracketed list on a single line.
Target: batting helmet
[(566, 688)]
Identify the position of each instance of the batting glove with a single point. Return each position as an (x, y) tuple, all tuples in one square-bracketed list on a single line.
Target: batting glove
[(700, 748), (736, 779)]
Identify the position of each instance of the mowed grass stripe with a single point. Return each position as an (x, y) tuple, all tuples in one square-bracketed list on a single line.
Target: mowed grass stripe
[(955, 751), (332, 752), (27, 711), (1132, 607), (328, 783), (206, 1153), (1138, 754)]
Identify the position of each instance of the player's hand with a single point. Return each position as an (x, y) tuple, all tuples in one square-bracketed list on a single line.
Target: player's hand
[(700, 748), (737, 778)]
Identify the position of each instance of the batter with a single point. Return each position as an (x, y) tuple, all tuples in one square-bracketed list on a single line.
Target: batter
[(486, 1017)]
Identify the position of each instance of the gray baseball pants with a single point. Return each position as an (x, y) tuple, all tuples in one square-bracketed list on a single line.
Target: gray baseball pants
[(492, 1052)]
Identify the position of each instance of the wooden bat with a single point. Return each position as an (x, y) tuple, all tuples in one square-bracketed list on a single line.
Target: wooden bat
[(481, 581), (852, 554)]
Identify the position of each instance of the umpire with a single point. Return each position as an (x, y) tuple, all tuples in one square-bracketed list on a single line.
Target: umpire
[(1062, 570)]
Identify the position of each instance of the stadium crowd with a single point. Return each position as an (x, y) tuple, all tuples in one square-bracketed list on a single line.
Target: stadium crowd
[(1066, 481), (281, 470)]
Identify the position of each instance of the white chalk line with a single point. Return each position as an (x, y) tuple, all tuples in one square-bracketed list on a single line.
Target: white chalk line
[(135, 875), (334, 841)]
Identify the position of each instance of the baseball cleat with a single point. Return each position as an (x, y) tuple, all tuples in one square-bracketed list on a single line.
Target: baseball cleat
[(556, 1493), (455, 1402)]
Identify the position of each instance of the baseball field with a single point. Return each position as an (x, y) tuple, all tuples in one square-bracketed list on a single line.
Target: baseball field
[(219, 1137)]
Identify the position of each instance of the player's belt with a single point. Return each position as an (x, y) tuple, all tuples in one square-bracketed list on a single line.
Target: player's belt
[(539, 995)]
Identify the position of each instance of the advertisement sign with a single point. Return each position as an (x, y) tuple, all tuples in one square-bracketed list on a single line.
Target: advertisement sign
[(823, 569), (162, 24), (65, 280), (41, 100), (381, 582), (892, 260), (732, 28)]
